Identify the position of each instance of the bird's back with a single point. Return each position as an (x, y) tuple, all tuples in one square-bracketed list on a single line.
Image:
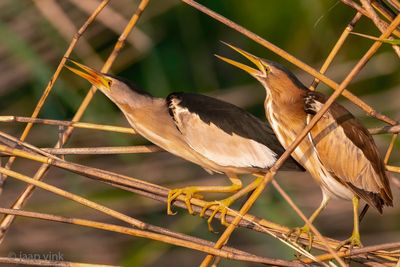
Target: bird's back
[(349, 152), (229, 118)]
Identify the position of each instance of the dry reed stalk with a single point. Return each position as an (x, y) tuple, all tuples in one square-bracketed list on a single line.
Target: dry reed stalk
[(122, 182), (7, 220), (393, 168), (34, 262), (151, 191), (52, 11), (103, 150), (358, 251), (157, 233), (390, 149), (386, 129), (292, 59), (254, 196), (129, 130), (378, 22), (336, 48), (51, 159), (360, 9), (383, 9), (144, 188), (114, 21), (203, 245), (76, 124), (50, 85)]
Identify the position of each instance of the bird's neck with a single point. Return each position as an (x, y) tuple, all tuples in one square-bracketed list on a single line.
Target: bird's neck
[(131, 100), (290, 99), (285, 110)]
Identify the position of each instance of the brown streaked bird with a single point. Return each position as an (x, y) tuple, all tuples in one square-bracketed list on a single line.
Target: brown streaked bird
[(216, 135), (338, 152)]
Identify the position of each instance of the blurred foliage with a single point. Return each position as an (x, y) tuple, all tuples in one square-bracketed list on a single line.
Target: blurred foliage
[(180, 58)]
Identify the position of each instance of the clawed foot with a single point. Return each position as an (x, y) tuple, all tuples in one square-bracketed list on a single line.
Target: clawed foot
[(298, 231), (189, 192), (220, 206), (353, 241)]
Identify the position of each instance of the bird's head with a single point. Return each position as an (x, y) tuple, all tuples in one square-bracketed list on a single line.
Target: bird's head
[(114, 88), (274, 77)]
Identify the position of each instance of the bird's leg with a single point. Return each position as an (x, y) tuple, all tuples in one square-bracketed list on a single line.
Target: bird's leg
[(223, 205), (191, 191), (298, 231), (354, 239)]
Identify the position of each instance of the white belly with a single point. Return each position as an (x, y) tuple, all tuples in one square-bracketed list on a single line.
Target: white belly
[(307, 156)]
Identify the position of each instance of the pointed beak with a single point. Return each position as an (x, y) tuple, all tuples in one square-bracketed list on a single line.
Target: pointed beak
[(261, 72), (96, 78)]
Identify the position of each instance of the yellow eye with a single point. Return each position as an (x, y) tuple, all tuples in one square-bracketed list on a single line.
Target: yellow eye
[(267, 68)]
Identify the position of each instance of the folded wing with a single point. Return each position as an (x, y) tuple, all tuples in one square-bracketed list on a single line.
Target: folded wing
[(224, 133), (348, 151)]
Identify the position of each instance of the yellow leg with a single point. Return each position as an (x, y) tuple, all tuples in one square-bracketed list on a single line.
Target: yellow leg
[(223, 205), (191, 191), (298, 231), (354, 239)]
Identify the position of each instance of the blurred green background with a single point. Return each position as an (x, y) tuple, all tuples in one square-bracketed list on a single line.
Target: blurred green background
[(172, 49)]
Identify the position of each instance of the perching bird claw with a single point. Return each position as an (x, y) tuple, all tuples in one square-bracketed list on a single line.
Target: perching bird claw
[(298, 231), (189, 192), (353, 241), (220, 206)]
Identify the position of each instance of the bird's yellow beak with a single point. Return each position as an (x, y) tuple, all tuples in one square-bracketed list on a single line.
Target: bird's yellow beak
[(96, 78), (256, 60)]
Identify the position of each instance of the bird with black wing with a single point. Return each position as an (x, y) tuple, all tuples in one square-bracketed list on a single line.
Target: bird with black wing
[(214, 134)]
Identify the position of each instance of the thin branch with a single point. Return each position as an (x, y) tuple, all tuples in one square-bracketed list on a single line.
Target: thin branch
[(383, 9), (378, 22), (357, 101), (390, 149), (336, 48), (393, 168), (159, 193), (395, 4), (39, 262), (113, 20), (385, 129), (53, 12), (203, 245), (366, 13), (129, 130), (7, 220), (75, 124), (357, 251), (103, 150), (159, 231), (73, 197), (53, 79)]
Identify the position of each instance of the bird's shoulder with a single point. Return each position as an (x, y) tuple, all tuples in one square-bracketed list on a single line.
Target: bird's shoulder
[(354, 132), (226, 116), (351, 126), (232, 120)]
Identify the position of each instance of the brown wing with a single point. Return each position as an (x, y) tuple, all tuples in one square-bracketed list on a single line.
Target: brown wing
[(347, 150)]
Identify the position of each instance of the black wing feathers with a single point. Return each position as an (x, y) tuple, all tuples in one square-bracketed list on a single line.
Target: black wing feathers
[(232, 120)]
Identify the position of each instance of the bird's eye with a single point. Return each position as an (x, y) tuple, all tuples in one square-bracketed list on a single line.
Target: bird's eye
[(267, 69), (109, 82)]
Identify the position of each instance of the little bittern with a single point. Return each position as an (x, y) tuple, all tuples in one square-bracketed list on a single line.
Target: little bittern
[(338, 152), (216, 135)]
